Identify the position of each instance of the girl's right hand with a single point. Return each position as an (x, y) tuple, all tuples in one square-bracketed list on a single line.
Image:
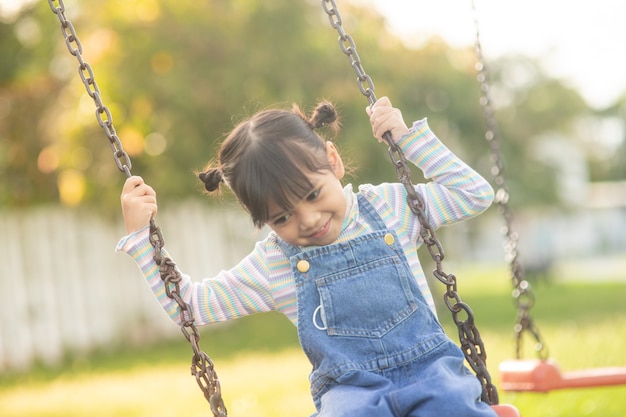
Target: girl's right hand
[(386, 118), (139, 204)]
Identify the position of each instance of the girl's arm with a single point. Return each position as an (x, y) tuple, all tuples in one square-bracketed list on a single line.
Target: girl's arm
[(456, 192), (235, 293)]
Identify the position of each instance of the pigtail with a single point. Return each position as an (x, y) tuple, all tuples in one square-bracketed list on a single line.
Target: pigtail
[(211, 178), (325, 115)]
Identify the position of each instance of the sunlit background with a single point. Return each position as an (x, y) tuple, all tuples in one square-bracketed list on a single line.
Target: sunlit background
[(580, 41)]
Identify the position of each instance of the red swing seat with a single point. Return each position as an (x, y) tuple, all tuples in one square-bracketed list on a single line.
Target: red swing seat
[(505, 410), (544, 375)]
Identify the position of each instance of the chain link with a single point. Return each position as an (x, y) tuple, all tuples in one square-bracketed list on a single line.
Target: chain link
[(201, 365), (347, 45), (522, 291), (103, 114), (471, 342)]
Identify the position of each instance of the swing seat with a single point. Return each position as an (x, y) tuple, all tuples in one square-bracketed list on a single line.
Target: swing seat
[(505, 410), (544, 375)]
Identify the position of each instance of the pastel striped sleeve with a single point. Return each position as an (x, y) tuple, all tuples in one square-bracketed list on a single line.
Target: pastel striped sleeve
[(238, 292), (138, 246), (282, 282), (456, 192)]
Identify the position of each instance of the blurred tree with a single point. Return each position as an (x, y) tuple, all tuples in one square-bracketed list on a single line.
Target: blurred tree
[(177, 75), (27, 92), (531, 106), (608, 162)]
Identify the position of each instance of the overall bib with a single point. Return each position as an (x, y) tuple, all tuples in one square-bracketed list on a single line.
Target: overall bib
[(376, 348)]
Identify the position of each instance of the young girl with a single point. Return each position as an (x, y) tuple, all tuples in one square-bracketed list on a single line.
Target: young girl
[(341, 265)]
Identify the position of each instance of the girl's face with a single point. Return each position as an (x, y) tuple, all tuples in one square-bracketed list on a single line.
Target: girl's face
[(316, 220)]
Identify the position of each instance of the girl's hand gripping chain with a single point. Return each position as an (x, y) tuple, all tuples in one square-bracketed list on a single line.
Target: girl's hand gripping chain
[(139, 204), (386, 118)]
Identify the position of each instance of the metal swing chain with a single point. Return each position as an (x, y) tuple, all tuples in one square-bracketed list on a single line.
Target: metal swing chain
[(470, 340), (201, 365), (522, 291)]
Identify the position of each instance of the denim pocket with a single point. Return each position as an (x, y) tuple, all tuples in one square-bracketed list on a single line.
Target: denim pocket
[(367, 300)]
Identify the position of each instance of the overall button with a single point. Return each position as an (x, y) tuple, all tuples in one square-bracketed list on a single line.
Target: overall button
[(303, 265), (389, 239)]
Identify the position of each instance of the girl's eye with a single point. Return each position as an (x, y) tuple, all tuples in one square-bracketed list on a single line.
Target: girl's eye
[(313, 195), (282, 219)]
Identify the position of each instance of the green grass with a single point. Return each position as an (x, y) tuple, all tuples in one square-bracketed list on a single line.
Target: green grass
[(263, 373), (582, 322)]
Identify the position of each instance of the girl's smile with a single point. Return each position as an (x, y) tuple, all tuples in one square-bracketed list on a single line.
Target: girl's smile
[(320, 233)]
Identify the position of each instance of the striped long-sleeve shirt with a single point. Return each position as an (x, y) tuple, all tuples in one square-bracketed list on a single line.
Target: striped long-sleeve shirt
[(263, 280)]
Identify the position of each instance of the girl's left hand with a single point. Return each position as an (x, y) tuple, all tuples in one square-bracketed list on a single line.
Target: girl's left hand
[(139, 203), (386, 118)]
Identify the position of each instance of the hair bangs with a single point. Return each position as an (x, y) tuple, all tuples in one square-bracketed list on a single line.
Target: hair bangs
[(278, 174)]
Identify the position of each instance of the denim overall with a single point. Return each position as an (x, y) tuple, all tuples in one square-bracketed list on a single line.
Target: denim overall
[(376, 348)]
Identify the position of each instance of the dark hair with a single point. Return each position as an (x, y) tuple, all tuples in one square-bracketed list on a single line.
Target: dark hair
[(268, 157)]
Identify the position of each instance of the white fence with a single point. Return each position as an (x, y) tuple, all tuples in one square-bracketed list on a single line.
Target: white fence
[(64, 289)]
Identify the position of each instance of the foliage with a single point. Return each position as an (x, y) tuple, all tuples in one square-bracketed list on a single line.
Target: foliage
[(177, 75), (610, 164)]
